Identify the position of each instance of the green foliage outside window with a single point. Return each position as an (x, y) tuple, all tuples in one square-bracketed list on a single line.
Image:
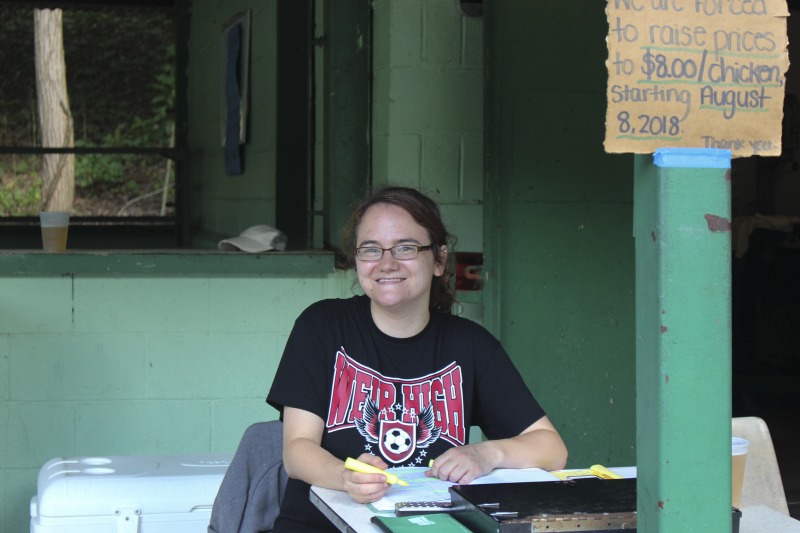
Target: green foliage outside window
[(121, 84)]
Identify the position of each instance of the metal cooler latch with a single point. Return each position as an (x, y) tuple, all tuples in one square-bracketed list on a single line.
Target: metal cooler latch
[(128, 520)]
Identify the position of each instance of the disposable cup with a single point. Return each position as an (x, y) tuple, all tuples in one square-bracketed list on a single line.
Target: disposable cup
[(739, 448), (55, 227)]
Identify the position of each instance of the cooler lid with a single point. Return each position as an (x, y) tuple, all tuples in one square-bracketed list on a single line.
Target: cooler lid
[(99, 486)]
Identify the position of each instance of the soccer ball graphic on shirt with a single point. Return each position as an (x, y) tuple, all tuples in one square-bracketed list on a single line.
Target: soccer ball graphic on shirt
[(396, 440)]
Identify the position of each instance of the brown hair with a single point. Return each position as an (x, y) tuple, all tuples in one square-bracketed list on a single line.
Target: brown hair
[(426, 213)]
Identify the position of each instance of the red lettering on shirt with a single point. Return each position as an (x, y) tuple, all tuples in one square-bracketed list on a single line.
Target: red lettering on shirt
[(415, 397), (339, 405), (397, 399), (453, 405), (353, 383)]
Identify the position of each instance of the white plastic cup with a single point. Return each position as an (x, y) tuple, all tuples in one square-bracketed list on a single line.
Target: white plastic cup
[(739, 448), (55, 227)]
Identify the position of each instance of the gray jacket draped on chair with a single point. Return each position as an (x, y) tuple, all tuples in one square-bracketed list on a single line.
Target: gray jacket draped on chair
[(249, 497)]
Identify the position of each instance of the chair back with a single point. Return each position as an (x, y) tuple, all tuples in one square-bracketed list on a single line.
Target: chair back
[(762, 477), (250, 495)]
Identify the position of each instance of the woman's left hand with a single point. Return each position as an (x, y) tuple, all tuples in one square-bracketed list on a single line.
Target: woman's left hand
[(539, 446)]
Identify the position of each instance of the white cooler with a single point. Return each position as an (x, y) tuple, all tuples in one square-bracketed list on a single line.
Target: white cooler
[(127, 494)]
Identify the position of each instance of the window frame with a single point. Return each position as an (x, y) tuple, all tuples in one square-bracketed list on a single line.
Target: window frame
[(116, 232), (328, 202)]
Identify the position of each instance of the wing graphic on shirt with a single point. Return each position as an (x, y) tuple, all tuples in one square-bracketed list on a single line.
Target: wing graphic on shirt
[(369, 425), (427, 432)]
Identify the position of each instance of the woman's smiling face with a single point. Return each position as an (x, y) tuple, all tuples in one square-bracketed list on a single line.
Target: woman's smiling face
[(396, 285)]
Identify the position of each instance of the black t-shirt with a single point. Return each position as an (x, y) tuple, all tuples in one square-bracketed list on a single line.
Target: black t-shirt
[(406, 400)]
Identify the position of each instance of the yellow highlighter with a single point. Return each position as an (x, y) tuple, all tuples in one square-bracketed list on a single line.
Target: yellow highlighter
[(357, 466), (604, 472)]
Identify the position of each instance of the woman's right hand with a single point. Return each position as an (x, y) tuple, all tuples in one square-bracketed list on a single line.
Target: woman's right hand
[(366, 488), (305, 459)]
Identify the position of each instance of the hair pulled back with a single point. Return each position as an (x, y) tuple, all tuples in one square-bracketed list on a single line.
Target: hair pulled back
[(426, 213)]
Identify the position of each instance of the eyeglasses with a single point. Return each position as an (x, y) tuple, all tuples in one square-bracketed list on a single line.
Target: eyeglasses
[(401, 251)]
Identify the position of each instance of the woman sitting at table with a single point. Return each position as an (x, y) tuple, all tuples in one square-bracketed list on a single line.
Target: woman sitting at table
[(393, 378)]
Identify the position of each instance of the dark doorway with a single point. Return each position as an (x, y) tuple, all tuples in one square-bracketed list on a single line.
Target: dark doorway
[(765, 204)]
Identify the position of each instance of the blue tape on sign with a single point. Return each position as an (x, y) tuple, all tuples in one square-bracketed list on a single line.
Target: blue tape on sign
[(692, 158)]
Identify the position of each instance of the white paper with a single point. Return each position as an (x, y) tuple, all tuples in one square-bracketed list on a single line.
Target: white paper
[(423, 489)]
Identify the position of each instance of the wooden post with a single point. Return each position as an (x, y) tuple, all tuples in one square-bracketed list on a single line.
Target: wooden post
[(683, 344)]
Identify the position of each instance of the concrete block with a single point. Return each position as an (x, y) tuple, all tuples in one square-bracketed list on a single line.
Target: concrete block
[(37, 432), (441, 163), (20, 488), (442, 39), (211, 366), (230, 418), (264, 305), (472, 50), (4, 457), (77, 367), (472, 168), (142, 427), (465, 221), (36, 304), (5, 378), (399, 32), (141, 305), (403, 160)]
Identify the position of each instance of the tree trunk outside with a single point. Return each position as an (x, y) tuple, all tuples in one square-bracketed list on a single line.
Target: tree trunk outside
[(55, 117)]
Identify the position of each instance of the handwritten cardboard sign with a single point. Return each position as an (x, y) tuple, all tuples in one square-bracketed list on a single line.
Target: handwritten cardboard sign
[(696, 73)]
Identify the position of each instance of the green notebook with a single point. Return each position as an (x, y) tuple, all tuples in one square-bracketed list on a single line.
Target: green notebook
[(441, 522)]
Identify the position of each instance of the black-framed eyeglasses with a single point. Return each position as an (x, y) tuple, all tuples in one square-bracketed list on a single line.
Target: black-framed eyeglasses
[(401, 251)]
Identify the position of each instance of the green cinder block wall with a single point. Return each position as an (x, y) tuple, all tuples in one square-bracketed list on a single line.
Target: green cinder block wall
[(559, 223), (136, 366), (427, 128)]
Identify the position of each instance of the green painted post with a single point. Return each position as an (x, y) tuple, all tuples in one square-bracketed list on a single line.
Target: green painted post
[(683, 345)]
